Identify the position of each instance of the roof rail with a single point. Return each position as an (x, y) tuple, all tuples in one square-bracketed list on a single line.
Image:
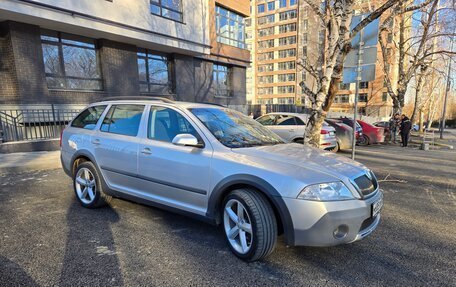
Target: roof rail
[(150, 98), (214, 104)]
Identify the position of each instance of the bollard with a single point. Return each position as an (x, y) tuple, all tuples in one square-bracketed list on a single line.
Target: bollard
[(425, 146)]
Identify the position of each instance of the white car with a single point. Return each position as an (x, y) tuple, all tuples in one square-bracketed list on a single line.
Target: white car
[(291, 128)]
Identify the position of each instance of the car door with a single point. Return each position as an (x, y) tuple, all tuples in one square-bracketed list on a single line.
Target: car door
[(177, 176), (116, 145), (285, 127)]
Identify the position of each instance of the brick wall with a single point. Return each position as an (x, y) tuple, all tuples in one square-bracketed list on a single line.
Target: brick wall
[(119, 68), (8, 80), (23, 81)]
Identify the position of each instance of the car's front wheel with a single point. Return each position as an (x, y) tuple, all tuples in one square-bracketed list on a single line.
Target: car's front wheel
[(87, 186), (250, 224)]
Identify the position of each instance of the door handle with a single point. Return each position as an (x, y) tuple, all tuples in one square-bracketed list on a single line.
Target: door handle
[(96, 141), (146, 151)]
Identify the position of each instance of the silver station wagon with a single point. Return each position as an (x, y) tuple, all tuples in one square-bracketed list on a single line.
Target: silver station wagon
[(216, 164)]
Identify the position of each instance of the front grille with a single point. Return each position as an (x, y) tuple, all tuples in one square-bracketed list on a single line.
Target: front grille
[(366, 185)]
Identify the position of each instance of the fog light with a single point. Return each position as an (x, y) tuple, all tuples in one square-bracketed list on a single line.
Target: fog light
[(341, 231)]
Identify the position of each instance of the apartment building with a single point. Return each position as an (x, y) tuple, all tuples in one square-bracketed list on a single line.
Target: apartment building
[(76, 52), (283, 31)]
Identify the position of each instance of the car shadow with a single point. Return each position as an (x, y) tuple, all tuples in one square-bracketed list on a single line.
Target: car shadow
[(11, 274), (90, 254)]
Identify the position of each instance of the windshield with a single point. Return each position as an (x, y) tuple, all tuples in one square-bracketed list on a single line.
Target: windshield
[(235, 130)]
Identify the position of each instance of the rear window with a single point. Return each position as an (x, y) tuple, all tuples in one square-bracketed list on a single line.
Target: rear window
[(88, 118)]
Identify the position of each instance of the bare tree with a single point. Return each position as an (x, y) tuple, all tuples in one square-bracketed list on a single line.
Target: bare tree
[(335, 18), (419, 33)]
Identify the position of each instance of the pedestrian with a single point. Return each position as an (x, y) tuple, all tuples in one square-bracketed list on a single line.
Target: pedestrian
[(394, 126), (406, 126)]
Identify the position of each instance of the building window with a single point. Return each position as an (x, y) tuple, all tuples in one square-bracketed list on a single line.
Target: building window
[(287, 40), (70, 62), (266, 56), (285, 101), (384, 96), (362, 98), (293, 2), (285, 89), (390, 38), (266, 19), (266, 32), (287, 53), (283, 3), (290, 65), (266, 68), (271, 6), (248, 22), (261, 8), (362, 111), (286, 77), (266, 91), (287, 15), (264, 101), (154, 72), (171, 9), (305, 24), (266, 79), (230, 28), (304, 39), (344, 86), (363, 85), (287, 28), (221, 77), (304, 52), (342, 99), (266, 44)]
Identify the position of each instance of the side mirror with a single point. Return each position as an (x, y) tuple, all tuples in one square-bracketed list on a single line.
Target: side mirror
[(186, 140)]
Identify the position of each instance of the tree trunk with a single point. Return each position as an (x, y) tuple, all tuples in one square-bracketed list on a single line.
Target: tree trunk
[(421, 122), (313, 128)]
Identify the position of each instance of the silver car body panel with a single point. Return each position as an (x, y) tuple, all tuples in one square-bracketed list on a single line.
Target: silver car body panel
[(185, 178)]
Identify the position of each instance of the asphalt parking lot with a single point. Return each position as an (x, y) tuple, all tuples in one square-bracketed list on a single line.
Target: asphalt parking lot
[(47, 239)]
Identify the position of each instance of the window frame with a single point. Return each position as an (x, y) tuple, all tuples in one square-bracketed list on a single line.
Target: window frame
[(158, 3), (228, 79), (230, 16), (98, 120), (183, 115), (45, 36), (150, 55), (115, 107)]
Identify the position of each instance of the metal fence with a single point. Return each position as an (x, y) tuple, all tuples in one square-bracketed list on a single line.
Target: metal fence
[(34, 124)]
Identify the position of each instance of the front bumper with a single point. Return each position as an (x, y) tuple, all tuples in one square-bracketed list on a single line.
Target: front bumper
[(332, 223)]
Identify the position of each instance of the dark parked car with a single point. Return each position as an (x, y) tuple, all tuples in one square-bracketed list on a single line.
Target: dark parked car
[(349, 122), (344, 134), (371, 134), (386, 128)]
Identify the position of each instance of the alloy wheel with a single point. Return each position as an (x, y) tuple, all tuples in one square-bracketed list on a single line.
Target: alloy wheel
[(85, 185), (238, 226)]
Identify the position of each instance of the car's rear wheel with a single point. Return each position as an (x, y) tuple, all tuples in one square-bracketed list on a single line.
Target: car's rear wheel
[(87, 186), (250, 224), (336, 148), (363, 140)]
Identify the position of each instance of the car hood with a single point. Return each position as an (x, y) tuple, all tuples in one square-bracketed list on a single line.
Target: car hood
[(310, 159)]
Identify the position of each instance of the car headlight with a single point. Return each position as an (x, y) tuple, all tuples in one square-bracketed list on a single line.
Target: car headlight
[(330, 191)]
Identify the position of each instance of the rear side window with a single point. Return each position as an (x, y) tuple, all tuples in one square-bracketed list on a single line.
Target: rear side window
[(88, 118), (267, 120), (123, 120), (286, 121)]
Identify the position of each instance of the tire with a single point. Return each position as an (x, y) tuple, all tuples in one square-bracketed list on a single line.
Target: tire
[(363, 140), (336, 148), (258, 215), (89, 193)]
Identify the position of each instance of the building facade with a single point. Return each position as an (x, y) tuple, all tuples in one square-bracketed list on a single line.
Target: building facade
[(77, 52), (281, 33)]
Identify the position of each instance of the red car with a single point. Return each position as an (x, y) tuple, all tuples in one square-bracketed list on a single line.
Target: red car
[(371, 134)]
